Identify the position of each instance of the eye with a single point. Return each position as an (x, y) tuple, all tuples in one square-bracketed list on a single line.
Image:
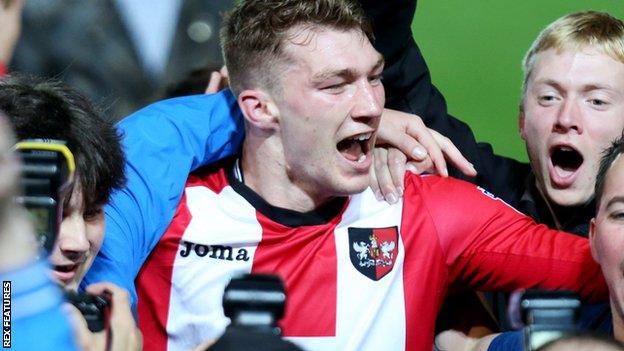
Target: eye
[(546, 98), (617, 215), (334, 88), (598, 102), (375, 79)]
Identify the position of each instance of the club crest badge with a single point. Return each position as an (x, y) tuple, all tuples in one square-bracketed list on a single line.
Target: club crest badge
[(373, 251)]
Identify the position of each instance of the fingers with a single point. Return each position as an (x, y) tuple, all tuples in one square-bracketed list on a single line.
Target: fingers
[(214, 83), (453, 154), (396, 164), (374, 184), (82, 334), (425, 166), (408, 133), (218, 81), (420, 132), (125, 335), (224, 73), (382, 179)]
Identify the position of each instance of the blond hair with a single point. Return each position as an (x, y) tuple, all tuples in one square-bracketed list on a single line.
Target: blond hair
[(576, 32)]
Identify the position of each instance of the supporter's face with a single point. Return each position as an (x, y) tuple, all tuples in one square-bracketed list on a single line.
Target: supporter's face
[(573, 109), (79, 241), (607, 234), (9, 165), (330, 106)]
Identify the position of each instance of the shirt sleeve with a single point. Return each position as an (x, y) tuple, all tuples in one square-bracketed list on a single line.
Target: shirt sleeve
[(508, 341), (490, 246), (163, 143), (37, 320), (3, 70)]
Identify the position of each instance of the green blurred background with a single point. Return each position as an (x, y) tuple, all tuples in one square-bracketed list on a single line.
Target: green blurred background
[(474, 50)]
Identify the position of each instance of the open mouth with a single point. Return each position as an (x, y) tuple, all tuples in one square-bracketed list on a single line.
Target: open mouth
[(566, 158), (565, 164), (355, 148), (65, 268)]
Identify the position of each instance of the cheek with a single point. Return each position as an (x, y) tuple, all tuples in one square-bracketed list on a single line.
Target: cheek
[(95, 233), (610, 253)]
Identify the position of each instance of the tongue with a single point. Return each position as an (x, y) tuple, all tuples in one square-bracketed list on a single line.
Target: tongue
[(564, 172), (350, 149)]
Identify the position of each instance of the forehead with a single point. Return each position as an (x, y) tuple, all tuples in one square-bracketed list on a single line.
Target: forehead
[(588, 66), (614, 179), (317, 49)]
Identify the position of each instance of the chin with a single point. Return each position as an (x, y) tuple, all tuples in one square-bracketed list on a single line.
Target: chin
[(567, 197), (349, 188)]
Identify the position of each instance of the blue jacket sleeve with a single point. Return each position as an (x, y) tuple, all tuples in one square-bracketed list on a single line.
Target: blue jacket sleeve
[(38, 323), (163, 143), (507, 341)]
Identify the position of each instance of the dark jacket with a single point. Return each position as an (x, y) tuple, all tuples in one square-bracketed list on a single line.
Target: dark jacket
[(86, 44)]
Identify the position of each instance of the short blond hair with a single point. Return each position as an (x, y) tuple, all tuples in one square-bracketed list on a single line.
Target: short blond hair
[(577, 31)]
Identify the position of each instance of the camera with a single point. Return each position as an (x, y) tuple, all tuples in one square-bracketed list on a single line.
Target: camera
[(544, 315), (48, 168), (47, 173), (94, 308), (254, 303)]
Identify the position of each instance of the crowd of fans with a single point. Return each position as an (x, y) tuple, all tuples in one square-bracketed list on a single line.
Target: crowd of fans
[(319, 155)]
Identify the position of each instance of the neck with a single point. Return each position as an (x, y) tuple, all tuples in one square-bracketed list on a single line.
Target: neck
[(564, 216), (265, 172), (618, 323)]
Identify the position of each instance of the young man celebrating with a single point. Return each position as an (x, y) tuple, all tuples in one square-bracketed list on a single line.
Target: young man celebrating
[(360, 274)]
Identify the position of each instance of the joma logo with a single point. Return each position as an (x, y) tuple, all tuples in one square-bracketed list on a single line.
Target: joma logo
[(220, 252)]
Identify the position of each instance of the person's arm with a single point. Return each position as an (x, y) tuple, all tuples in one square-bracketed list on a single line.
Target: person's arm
[(408, 86), (163, 143), (37, 319), (490, 246)]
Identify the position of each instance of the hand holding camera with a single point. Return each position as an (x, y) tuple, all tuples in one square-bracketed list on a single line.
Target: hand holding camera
[(118, 331)]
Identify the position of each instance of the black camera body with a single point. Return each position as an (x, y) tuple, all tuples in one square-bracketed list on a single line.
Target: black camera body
[(254, 303), (47, 173), (546, 315), (94, 308)]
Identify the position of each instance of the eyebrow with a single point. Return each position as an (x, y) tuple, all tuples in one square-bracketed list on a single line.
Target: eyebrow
[(614, 200), (588, 87), (591, 87), (347, 73)]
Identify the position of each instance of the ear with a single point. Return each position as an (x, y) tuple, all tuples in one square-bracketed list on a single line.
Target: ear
[(259, 109), (592, 240), (521, 123)]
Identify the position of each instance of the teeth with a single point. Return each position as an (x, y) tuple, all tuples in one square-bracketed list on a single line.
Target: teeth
[(362, 137), (362, 158)]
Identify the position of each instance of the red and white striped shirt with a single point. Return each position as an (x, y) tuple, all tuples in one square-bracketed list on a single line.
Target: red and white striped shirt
[(360, 274)]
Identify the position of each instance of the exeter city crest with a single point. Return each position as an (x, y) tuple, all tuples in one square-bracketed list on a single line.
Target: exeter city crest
[(373, 251)]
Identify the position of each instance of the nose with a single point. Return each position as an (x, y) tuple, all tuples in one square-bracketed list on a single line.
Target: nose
[(369, 100), (568, 118), (72, 240)]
